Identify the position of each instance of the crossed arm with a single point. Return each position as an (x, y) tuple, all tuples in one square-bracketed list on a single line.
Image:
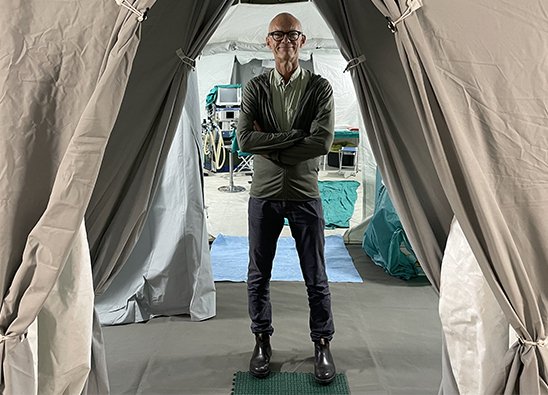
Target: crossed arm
[(252, 139), (318, 140), (294, 146)]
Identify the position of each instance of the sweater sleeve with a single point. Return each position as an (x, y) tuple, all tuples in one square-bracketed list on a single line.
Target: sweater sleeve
[(319, 141), (260, 142)]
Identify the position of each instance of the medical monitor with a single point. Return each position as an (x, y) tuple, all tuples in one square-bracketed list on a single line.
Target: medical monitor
[(229, 96)]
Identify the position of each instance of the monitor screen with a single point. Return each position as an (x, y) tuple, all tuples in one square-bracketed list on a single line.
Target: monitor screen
[(228, 96)]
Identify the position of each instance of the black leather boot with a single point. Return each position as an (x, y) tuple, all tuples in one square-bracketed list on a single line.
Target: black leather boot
[(324, 367), (259, 365)]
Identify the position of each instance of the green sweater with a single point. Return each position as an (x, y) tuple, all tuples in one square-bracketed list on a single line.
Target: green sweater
[(286, 162)]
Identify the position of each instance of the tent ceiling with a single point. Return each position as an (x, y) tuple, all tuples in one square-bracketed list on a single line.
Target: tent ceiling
[(234, 35)]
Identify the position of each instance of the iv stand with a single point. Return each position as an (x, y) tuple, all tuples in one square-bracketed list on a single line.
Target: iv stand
[(231, 188)]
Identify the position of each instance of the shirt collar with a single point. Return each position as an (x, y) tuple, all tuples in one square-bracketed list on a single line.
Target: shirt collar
[(280, 79)]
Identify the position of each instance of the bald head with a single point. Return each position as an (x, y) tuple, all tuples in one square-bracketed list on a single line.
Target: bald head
[(285, 39), (284, 22)]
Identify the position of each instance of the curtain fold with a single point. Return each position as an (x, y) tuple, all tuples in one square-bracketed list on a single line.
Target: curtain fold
[(171, 257), (65, 325), (61, 91), (476, 331), (144, 129), (392, 127), (484, 118), (97, 382), (395, 133)]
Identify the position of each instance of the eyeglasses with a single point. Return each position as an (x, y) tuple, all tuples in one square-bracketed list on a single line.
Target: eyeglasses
[(278, 35)]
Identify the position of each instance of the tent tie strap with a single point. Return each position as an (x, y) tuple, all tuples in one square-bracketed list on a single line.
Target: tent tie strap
[(354, 62), (412, 6), (141, 15), (4, 338), (186, 59), (539, 343)]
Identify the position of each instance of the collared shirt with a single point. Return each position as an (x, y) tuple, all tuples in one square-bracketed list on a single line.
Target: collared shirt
[(286, 97)]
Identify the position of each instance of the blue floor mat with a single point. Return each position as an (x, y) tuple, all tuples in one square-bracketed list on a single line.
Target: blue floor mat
[(229, 259)]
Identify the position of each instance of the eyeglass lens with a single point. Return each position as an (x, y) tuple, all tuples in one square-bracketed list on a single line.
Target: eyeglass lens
[(293, 35)]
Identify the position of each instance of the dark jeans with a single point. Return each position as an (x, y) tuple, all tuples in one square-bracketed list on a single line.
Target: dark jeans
[(266, 220)]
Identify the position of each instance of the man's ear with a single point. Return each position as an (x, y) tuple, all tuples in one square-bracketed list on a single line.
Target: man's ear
[(303, 40), (268, 42)]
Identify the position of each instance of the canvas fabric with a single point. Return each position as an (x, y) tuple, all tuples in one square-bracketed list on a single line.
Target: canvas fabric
[(483, 118), (61, 92)]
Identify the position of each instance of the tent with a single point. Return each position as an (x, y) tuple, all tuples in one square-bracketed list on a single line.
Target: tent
[(236, 52), (148, 284), (454, 104)]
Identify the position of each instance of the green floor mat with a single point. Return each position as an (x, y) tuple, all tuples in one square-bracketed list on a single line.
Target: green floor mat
[(286, 383)]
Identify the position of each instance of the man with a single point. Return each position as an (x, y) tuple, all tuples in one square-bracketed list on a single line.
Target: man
[(287, 120)]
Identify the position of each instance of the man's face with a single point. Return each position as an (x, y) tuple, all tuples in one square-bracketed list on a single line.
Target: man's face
[(286, 49)]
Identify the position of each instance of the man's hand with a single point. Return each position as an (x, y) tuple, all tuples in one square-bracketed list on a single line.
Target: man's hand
[(257, 126)]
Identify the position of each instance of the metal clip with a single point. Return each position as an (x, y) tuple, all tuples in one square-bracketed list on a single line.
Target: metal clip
[(354, 62), (391, 25), (144, 15), (412, 6), (141, 15)]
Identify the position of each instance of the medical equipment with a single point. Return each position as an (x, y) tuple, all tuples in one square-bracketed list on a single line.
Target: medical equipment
[(222, 108), (229, 96), (213, 144), (231, 187)]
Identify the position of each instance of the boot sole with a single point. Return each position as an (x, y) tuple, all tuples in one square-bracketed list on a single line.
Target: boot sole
[(259, 375), (324, 381)]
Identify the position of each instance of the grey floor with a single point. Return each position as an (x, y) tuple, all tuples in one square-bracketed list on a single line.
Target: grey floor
[(387, 340)]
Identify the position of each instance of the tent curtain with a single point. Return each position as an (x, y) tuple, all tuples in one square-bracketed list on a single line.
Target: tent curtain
[(71, 83), (484, 118), (168, 271), (173, 37), (65, 329), (392, 127), (475, 329), (395, 134)]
